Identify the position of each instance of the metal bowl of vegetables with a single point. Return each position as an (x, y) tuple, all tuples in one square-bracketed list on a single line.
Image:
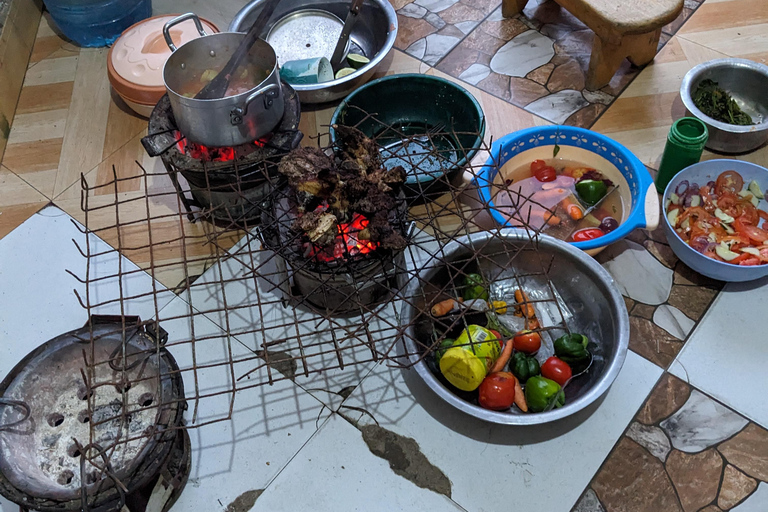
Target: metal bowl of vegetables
[(721, 237), (728, 95), (548, 286)]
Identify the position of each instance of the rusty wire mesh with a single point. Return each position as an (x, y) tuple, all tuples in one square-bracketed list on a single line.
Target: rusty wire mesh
[(275, 329)]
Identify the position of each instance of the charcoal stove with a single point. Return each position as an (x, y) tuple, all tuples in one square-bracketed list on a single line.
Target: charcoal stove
[(226, 183), (350, 276), (95, 437)]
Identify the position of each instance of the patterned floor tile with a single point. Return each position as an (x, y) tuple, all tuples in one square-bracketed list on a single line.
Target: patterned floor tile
[(429, 29), (684, 452)]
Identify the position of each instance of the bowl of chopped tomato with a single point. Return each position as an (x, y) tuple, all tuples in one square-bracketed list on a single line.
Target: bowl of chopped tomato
[(716, 219)]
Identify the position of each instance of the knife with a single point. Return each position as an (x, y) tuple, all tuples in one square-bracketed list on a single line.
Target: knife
[(589, 220), (349, 23)]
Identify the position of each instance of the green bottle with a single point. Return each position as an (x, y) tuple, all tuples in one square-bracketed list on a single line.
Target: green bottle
[(685, 144)]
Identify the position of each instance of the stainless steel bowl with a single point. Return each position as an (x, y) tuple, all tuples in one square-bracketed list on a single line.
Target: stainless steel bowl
[(747, 82), (586, 288), (374, 33)]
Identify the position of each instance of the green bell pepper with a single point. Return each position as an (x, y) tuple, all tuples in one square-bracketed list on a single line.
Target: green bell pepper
[(543, 394), (524, 366), (572, 348), (440, 350), (475, 288), (591, 191)]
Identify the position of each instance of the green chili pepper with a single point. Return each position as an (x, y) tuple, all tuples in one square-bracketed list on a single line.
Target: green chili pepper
[(524, 366), (591, 191), (572, 348), (440, 350), (474, 287), (543, 394)]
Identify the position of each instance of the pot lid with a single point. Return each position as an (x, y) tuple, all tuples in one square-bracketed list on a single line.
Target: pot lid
[(140, 52)]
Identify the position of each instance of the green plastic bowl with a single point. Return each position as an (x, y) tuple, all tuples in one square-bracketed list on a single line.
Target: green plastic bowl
[(414, 104)]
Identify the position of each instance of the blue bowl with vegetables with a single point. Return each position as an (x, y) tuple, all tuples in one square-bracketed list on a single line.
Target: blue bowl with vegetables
[(570, 183), (716, 219)]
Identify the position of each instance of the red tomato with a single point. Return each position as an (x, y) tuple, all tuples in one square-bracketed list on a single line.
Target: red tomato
[(538, 164), (545, 174), (585, 234), (729, 181), (497, 391), (557, 370), (755, 234), (528, 342)]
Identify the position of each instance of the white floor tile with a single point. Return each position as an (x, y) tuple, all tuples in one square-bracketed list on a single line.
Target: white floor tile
[(336, 472), (37, 301), (237, 452), (538, 468), (725, 356)]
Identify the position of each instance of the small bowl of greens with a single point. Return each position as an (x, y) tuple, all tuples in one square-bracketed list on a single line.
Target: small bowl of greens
[(729, 96)]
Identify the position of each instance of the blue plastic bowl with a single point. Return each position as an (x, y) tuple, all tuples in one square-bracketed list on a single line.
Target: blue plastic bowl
[(639, 196), (701, 173)]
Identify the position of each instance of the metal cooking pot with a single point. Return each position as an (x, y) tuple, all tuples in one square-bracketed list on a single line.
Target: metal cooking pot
[(227, 121)]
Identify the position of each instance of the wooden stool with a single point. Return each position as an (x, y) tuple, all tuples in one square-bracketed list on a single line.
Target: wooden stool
[(623, 29)]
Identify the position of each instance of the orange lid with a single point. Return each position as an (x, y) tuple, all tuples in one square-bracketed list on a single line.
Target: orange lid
[(135, 62)]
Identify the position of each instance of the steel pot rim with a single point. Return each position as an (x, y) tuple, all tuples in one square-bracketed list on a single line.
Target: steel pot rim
[(503, 418)]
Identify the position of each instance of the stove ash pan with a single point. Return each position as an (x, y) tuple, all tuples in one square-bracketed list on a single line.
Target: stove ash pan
[(57, 430)]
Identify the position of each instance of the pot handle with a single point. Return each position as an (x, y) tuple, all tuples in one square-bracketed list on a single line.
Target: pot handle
[(175, 21), (270, 92)]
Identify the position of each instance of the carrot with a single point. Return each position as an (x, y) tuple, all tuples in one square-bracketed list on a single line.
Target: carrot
[(523, 302), (520, 397), (444, 307), (552, 219), (532, 323), (503, 359), (572, 208)]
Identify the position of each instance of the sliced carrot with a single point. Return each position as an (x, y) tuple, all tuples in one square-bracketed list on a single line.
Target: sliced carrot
[(523, 302), (520, 397), (572, 208), (503, 359), (552, 219), (444, 307)]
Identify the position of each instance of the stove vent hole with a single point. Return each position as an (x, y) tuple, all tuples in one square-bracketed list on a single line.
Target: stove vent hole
[(73, 451), (123, 386), (83, 417), (65, 477), (146, 399), (84, 394), (55, 419)]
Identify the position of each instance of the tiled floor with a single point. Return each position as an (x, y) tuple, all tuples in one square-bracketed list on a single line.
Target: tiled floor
[(696, 444)]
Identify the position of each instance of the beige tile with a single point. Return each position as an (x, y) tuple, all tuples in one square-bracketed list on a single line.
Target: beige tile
[(729, 14), (18, 201), (122, 125), (44, 46), (51, 71), (47, 26), (36, 156), (734, 41), (40, 98), (38, 126), (86, 124)]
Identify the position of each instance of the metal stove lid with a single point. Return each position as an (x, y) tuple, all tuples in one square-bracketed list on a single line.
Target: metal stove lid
[(39, 455)]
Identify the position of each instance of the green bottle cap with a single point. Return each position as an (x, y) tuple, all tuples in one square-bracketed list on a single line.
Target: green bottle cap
[(689, 131)]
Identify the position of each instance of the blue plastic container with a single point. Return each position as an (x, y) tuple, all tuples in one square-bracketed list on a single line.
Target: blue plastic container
[(97, 22), (619, 165)]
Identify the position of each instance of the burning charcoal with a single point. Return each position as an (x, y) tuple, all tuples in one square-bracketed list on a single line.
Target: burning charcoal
[(358, 148), (320, 227)]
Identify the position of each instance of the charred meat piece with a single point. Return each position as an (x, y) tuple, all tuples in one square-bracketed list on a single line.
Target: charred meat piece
[(320, 227), (358, 148)]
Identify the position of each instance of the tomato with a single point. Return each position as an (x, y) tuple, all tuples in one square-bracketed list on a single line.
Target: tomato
[(497, 391), (729, 181), (527, 341), (557, 370), (538, 164), (755, 234), (763, 215), (585, 234), (545, 174)]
